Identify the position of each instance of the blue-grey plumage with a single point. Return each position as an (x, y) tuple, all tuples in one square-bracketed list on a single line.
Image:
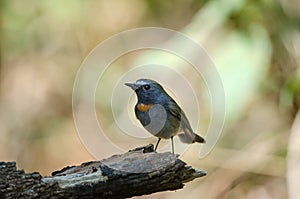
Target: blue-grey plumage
[(160, 114)]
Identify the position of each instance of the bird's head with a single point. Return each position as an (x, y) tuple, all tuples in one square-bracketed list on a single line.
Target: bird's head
[(148, 91)]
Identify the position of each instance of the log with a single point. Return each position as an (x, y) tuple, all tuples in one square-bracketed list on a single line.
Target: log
[(138, 172)]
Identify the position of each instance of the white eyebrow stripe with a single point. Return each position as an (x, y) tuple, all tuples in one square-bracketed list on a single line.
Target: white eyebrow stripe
[(141, 82)]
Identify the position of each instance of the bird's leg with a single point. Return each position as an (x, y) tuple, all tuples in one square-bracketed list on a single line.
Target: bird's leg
[(157, 144), (172, 145)]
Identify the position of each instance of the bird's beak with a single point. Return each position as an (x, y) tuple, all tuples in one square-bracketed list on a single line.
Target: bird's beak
[(132, 85)]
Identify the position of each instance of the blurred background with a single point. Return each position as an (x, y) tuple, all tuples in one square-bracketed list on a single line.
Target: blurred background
[(254, 44)]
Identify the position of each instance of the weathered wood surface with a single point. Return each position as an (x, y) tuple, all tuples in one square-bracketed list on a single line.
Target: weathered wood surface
[(137, 172)]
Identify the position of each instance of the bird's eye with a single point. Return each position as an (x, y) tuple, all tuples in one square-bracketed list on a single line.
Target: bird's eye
[(146, 87)]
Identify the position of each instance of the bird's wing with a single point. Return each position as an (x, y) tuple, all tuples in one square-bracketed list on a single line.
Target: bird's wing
[(189, 136), (174, 109)]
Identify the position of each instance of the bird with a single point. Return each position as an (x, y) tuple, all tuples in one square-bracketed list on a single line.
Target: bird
[(159, 113)]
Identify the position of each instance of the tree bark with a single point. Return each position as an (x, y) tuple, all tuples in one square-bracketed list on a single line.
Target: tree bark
[(138, 172)]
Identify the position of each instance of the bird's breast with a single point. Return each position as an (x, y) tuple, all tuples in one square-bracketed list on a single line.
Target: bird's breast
[(143, 107)]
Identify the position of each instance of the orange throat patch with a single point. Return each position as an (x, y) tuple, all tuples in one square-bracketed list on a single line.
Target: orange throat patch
[(144, 107)]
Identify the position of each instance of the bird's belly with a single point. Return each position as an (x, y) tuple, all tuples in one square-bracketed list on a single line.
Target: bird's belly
[(168, 131), (159, 124)]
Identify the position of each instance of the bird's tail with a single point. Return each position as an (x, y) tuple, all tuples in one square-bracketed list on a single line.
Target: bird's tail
[(190, 137)]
